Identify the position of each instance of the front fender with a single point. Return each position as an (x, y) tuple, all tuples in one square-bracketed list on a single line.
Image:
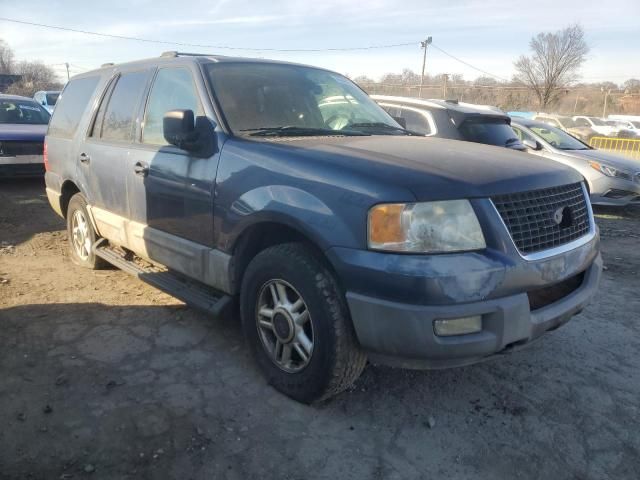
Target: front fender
[(295, 208)]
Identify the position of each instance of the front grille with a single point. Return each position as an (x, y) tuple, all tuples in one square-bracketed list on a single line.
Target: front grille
[(547, 218), (14, 149), (547, 295)]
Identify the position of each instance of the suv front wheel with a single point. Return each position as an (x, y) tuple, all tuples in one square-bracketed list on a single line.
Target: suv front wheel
[(297, 324)]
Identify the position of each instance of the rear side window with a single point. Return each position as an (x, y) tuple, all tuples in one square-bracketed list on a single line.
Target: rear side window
[(488, 132), (120, 114), (71, 106), (415, 121), (172, 89)]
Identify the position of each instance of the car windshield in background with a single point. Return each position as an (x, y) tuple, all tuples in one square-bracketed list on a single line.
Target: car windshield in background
[(272, 99), (24, 112), (558, 138), (635, 124), (497, 133), (52, 98), (567, 122), (598, 122)]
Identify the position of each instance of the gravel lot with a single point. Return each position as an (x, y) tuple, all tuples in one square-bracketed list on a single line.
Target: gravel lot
[(105, 377)]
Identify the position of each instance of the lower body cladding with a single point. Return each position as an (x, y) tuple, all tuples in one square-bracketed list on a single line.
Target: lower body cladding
[(615, 192), (501, 304), (21, 166)]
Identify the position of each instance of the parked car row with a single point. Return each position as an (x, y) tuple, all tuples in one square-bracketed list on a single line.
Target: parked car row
[(613, 180)]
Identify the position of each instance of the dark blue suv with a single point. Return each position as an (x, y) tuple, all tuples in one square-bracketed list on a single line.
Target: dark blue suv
[(342, 236)]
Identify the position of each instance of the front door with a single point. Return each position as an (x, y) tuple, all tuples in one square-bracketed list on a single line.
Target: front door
[(170, 191)]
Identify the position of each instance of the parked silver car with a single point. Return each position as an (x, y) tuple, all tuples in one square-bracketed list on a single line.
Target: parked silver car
[(613, 180)]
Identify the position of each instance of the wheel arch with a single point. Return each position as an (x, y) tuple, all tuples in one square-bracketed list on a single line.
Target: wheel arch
[(266, 233), (67, 190)]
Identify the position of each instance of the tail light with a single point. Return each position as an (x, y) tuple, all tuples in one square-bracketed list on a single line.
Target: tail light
[(45, 157)]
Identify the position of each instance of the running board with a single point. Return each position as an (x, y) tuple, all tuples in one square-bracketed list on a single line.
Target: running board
[(191, 292)]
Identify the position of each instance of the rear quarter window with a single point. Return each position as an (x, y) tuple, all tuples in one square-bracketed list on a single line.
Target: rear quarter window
[(71, 106)]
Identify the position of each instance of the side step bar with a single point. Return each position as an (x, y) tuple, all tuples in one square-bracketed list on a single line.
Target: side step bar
[(191, 292)]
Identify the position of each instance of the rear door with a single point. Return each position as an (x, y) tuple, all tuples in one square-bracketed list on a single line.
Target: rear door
[(104, 156)]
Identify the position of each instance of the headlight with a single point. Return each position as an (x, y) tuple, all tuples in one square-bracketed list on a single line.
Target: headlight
[(430, 227), (609, 171)]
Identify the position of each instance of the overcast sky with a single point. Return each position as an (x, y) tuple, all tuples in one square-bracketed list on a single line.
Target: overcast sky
[(489, 34)]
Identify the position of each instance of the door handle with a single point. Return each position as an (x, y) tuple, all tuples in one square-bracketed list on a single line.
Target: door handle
[(141, 169), (84, 158)]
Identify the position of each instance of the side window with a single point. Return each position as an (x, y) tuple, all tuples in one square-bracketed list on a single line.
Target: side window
[(582, 122), (391, 110), (120, 114), (71, 105), (551, 121), (522, 135), (172, 89), (416, 122)]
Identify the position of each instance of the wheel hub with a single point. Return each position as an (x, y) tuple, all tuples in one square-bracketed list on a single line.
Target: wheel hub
[(283, 326)]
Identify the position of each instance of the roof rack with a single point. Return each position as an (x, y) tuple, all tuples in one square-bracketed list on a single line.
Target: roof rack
[(173, 53)]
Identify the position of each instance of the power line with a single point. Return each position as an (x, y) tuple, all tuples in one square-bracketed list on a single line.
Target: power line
[(199, 45), (468, 64)]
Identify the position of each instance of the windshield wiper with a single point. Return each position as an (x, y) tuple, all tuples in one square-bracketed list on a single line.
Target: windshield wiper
[(381, 126), (290, 130)]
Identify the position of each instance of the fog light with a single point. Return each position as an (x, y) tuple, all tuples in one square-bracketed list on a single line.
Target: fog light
[(458, 326)]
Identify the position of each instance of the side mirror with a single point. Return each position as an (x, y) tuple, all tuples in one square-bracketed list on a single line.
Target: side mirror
[(179, 128), (532, 144), (44, 103), (401, 121), (197, 136)]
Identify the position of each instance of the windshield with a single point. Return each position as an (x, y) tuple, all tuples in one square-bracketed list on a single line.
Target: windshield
[(491, 133), (598, 122), (635, 124), (22, 111), (290, 99), (558, 138), (566, 122), (52, 98)]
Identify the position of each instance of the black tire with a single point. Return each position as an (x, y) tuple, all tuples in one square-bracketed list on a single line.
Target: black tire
[(91, 261), (336, 360)]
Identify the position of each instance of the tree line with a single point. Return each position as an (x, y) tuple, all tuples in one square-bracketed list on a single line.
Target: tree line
[(32, 75)]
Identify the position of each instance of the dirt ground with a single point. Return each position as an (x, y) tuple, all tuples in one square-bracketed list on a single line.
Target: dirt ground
[(103, 377)]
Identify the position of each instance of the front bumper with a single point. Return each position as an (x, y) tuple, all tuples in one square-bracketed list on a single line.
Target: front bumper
[(402, 334), (616, 192), (21, 166), (394, 299)]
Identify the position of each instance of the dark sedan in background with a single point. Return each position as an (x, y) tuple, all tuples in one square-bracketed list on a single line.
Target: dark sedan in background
[(23, 125)]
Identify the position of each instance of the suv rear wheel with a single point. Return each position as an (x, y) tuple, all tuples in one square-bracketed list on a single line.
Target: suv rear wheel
[(297, 324), (81, 234)]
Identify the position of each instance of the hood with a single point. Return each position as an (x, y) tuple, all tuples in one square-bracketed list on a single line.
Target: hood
[(606, 157), (433, 168), (22, 132)]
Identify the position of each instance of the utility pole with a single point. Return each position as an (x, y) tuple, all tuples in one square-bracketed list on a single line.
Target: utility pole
[(424, 44), (604, 109), (445, 79), (67, 65), (575, 105)]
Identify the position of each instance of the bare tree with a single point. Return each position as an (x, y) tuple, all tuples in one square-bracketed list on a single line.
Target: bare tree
[(6, 58), (34, 76), (554, 63)]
